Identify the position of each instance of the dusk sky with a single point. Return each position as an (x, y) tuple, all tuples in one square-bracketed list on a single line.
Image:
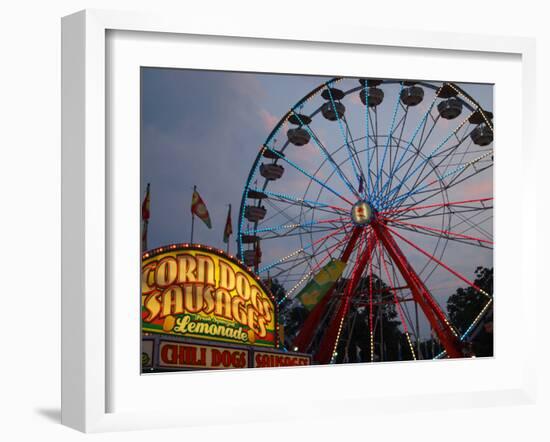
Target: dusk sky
[(205, 128)]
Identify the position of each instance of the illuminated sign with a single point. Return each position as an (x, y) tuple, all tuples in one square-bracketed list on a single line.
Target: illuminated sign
[(176, 354), (185, 355), (198, 292), (263, 359)]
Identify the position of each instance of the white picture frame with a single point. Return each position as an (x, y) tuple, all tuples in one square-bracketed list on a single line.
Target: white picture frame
[(91, 369)]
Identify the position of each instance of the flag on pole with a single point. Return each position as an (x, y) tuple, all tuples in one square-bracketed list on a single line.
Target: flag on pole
[(145, 214), (228, 231), (199, 208), (145, 211)]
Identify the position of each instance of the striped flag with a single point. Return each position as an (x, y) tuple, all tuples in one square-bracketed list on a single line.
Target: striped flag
[(199, 208), (145, 206), (228, 231), (145, 215)]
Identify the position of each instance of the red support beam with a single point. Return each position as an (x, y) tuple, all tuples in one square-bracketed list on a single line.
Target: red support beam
[(422, 296), (328, 342), (303, 340), (442, 264)]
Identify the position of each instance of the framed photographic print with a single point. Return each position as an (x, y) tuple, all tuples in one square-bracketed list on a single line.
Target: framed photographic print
[(350, 169), (322, 214)]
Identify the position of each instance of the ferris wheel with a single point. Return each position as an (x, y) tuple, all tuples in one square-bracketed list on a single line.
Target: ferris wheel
[(386, 186)]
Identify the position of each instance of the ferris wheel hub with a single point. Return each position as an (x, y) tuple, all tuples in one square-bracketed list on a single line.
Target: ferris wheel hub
[(362, 213)]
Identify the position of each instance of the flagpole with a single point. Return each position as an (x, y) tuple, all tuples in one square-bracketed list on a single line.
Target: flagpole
[(144, 236), (228, 237), (193, 216), (192, 226)]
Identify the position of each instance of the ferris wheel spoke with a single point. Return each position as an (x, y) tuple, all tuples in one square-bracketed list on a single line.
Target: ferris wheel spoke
[(475, 170), (282, 206), (371, 309), (371, 150), (301, 249), (414, 201), (422, 123), (473, 225), (367, 148), (364, 248), (441, 263), (293, 164), (331, 337), (308, 203), (437, 213), (278, 212), (422, 142), (326, 153), (343, 133), (456, 173), (420, 197), (428, 158), (459, 209), (454, 152), (294, 226), (431, 231), (388, 142), (297, 232), (355, 157), (384, 172), (431, 309), (435, 192), (396, 301), (464, 203), (402, 122), (456, 170), (455, 208), (375, 158), (447, 154)]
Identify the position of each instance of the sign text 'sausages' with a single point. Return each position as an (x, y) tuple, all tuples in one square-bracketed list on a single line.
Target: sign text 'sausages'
[(201, 294)]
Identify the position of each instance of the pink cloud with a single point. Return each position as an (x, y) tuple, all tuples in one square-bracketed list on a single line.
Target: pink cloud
[(355, 99), (248, 85), (268, 120), (478, 189)]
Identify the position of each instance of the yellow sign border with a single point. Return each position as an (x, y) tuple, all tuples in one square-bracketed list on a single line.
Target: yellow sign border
[(186, 247)]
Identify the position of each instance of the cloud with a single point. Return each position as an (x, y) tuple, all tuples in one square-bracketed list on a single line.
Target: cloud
[(482, 188), (268, 120)]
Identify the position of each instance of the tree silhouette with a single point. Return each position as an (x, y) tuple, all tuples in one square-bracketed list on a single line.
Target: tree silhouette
[(390, 343), (464, 305), (292, 313)]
